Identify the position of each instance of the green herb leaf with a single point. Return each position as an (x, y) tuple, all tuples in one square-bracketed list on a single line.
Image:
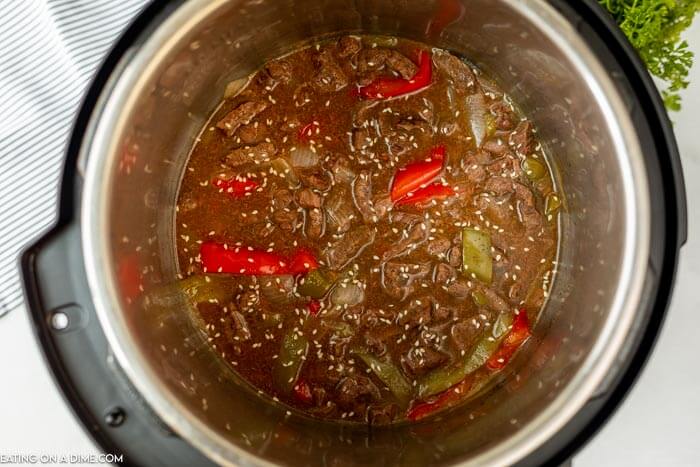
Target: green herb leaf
[(654, 28)]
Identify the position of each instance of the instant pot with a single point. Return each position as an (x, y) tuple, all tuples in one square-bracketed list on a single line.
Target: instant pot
[(145, 383)]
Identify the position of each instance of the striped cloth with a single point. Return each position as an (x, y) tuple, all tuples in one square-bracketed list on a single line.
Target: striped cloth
[(49, 49)]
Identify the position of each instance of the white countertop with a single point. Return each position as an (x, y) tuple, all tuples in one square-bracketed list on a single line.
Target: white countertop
[(658, 425)]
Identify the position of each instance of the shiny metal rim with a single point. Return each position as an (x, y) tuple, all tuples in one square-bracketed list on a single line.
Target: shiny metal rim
[(108, 120)]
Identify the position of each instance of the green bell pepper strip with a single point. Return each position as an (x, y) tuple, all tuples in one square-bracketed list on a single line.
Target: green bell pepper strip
[(552, 203), (315, 285), (197, 289), (444, 378), (390, 375), (476, 254), (291, 358), (534, 169)]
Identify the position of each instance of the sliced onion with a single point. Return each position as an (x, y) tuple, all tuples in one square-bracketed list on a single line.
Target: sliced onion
[(303, 158), (236, 86), (347, 294), (278, 289), (478, 117)]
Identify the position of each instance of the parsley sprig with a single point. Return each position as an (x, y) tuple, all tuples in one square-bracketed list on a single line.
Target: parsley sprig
[(654, 28)]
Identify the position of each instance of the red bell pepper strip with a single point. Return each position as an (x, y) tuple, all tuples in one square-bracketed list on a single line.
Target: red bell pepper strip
[(449, 397), (236, 187), (216, 258), (519, 333), (314, 307), (302, 261), (434, 191), (386, 88), (129, 277), (415, 175), (302, 392)]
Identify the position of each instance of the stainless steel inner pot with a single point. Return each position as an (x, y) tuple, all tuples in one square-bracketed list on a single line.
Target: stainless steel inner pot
[(134, 155)]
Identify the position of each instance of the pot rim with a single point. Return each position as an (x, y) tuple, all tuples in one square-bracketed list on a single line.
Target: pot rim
[(98, 148)]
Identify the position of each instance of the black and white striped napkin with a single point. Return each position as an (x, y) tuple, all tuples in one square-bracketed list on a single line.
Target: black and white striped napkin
[(49, 49)]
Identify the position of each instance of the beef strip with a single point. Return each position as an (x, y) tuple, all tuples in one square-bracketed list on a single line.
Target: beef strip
[(252, 133), (315, 223), (356, 389), (361, 139), (505, 118), (279, 70), (318, 180), (438, 247), (420, 360), (345, 249), (339, 166), (411, 239), (307, 198), (400, 280), (464, 334), (258, 154), (522, 139), (459, 289), (444, 274), (241, 115), (493, 300), (362, 195), (285, 214), (456, 69), (330, 76), (348, 46), (417, 313), (375, 59), (527, 211), (401, 64)]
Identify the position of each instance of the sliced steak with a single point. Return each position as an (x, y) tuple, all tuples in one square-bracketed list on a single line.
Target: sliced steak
[(348, 46), (417, 313), (315, 223), (420, 360), (258, 154), (307, 198), (375, 59), (252, 133), (401, 64), (458, 71), (345, 249), (505, 118), (411, 238), (459, 289), (465, 334), (318, 180), (444, 274), (279, 70), (356, 389), (241, 115), (438, 247), (330, 76), (400, 280), (362, 196), (523, 139), (527, 211)]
